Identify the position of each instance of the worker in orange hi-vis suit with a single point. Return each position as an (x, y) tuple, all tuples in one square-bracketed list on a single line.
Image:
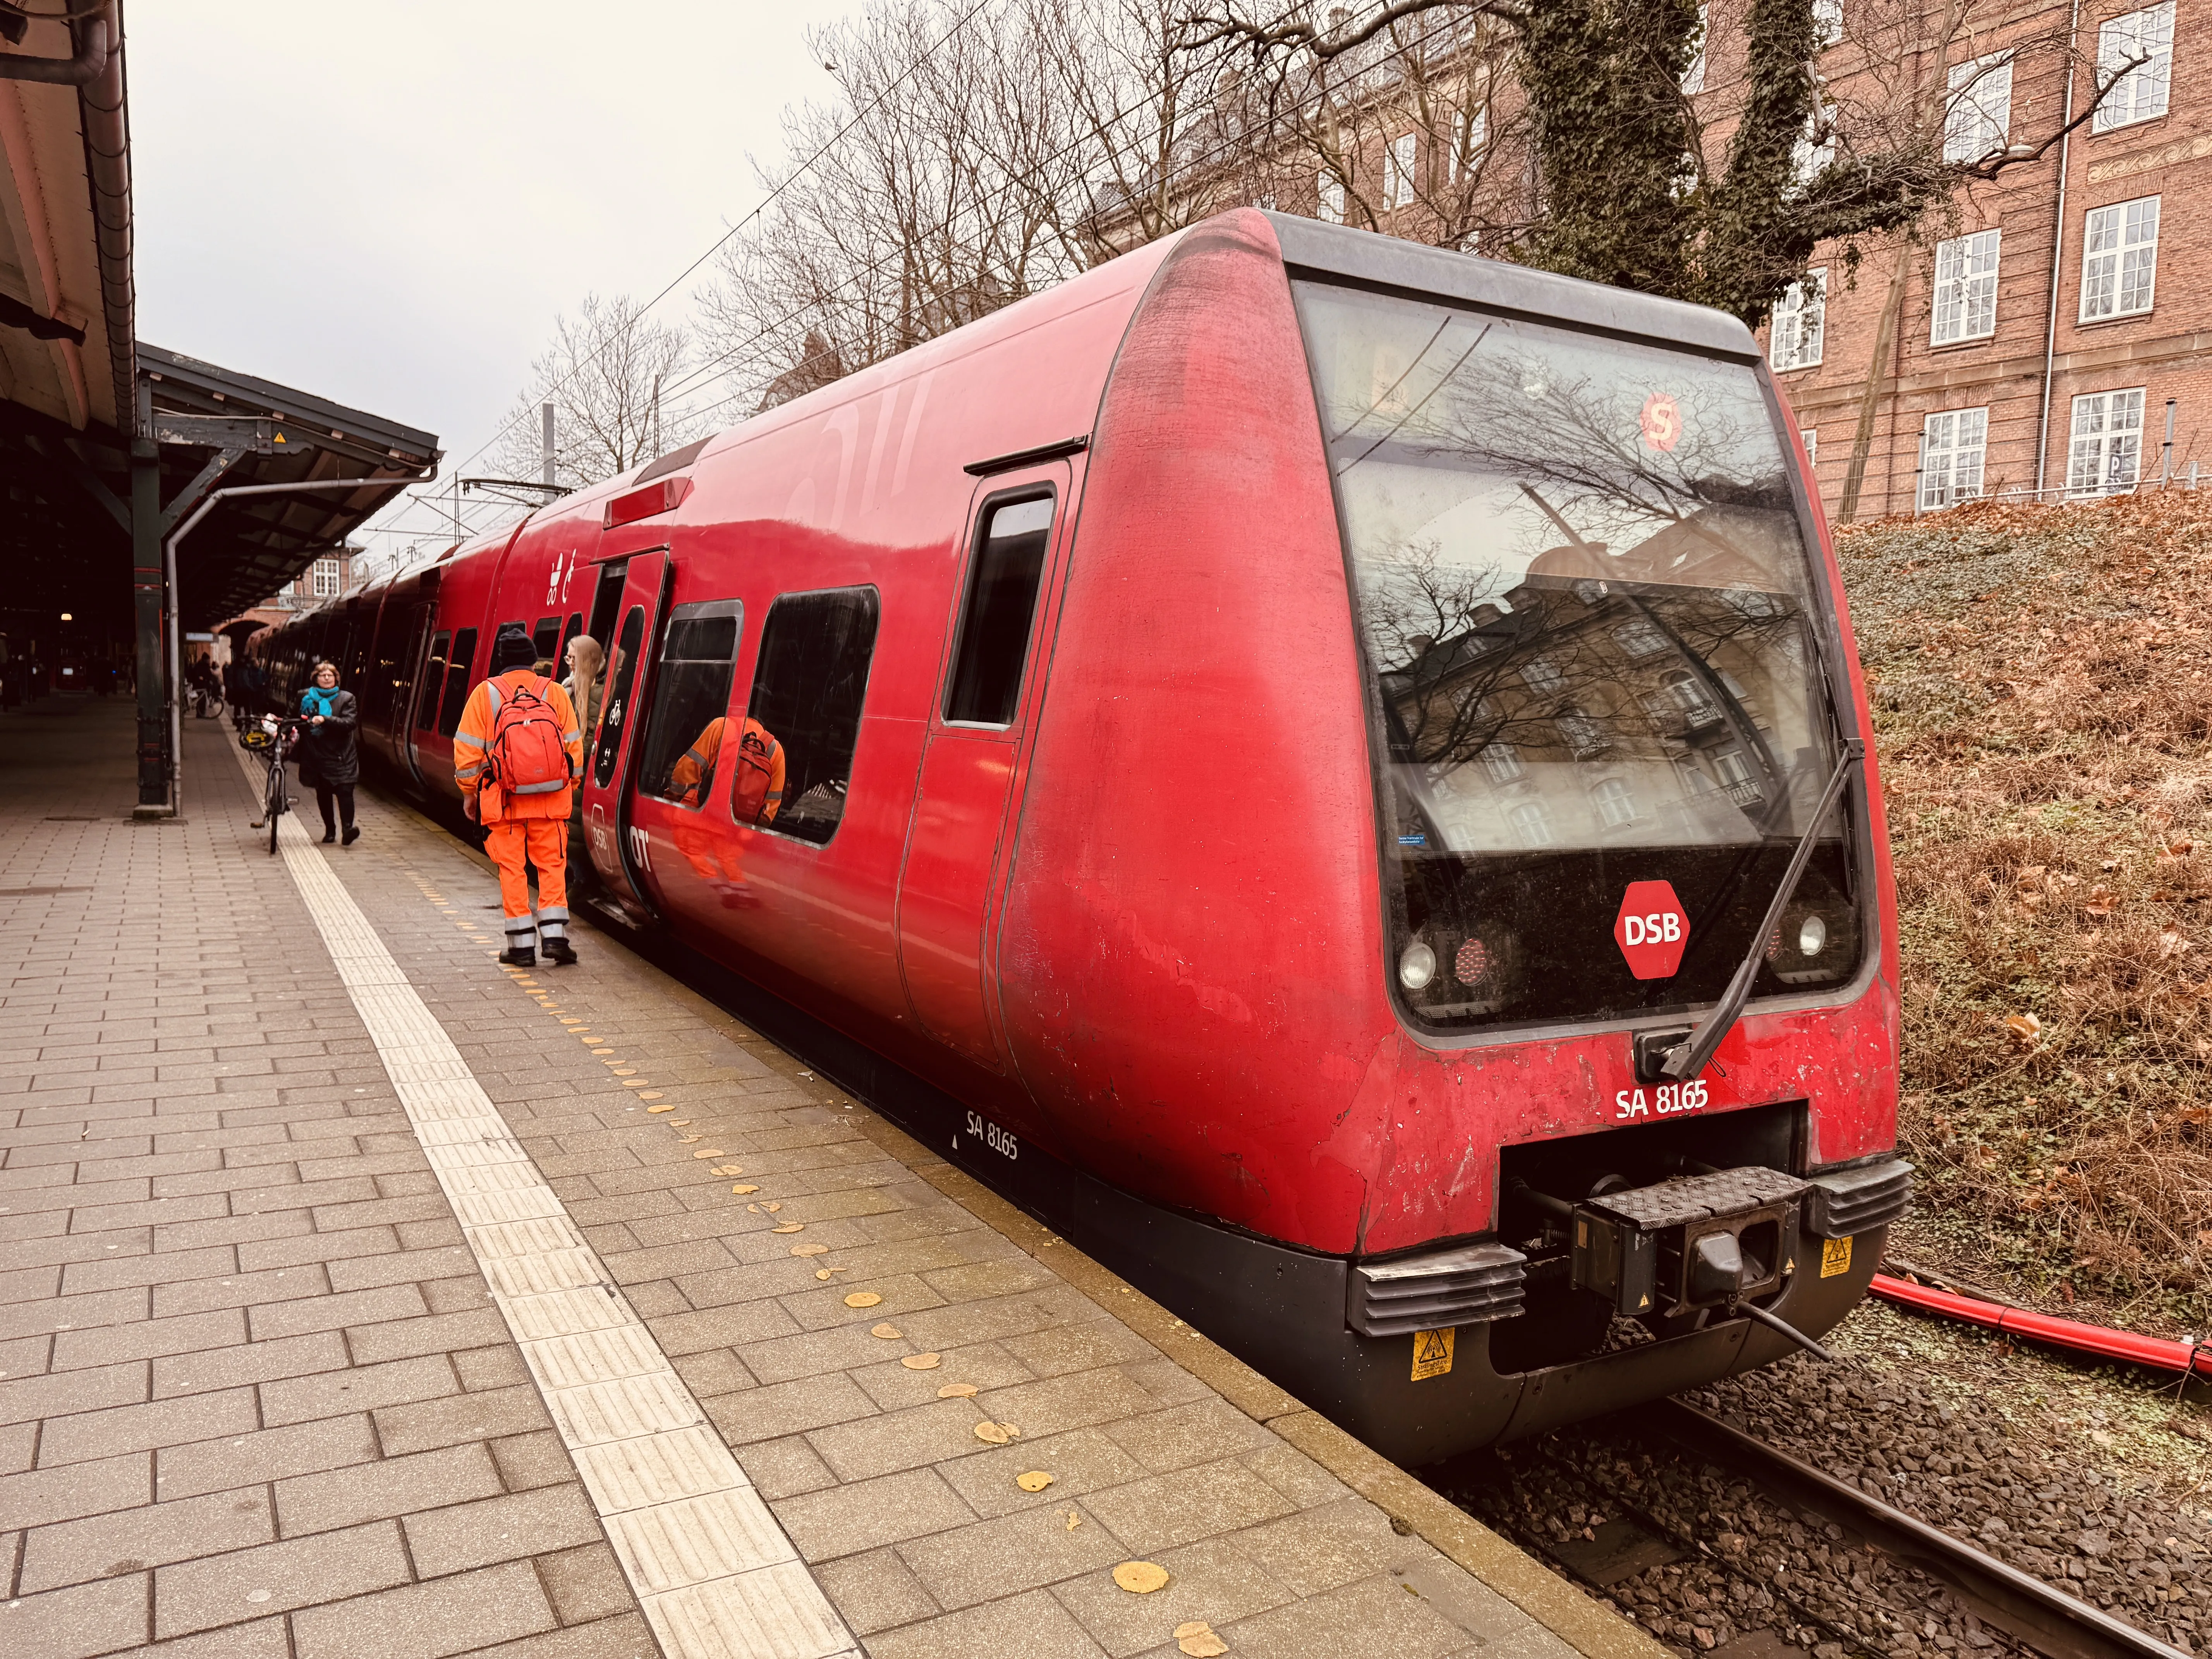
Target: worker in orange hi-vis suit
[(755, 797), (517, 757)]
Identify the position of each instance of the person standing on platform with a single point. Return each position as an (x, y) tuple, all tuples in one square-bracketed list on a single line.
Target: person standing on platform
[(517, 757), (330, 760)]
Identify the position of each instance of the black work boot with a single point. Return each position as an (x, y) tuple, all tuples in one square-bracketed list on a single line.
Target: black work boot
[(352, 834), (329, 833), (519, 956), (559, 952)]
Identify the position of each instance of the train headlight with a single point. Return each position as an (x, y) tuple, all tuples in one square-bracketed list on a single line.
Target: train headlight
[(1812, 934), (1417, 967), (1472, 964)]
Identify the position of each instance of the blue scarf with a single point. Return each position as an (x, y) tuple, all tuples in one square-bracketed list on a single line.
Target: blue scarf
[(316, 701)]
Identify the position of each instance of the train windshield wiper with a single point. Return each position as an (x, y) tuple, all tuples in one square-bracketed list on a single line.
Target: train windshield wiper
[(1688, 1058)]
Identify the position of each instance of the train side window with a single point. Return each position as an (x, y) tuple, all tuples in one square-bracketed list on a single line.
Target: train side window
[(808, 688), (620, 677), (993, 642), (606, 602), (683, 735), (546, 637), (457, 682), (434, 681), (567, 635)]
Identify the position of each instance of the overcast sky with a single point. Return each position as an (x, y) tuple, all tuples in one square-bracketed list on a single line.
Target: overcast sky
[(388, 205)]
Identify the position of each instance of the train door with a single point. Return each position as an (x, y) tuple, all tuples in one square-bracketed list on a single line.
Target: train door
[(956, 840), (618, 848), (404, 689)]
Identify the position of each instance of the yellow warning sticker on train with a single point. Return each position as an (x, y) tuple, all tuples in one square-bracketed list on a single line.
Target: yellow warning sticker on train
[(1432, 1352), (1835, 1257)]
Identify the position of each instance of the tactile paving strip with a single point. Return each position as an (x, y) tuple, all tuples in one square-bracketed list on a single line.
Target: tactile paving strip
[(708, 1563)]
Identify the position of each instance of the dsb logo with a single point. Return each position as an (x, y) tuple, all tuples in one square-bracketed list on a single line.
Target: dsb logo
[(1651, 929)]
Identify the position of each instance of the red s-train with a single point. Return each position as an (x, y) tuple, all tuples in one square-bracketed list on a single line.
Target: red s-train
[(1285, 736)]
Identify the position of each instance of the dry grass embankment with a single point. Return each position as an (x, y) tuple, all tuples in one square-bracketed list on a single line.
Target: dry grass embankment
[(2042, 683)]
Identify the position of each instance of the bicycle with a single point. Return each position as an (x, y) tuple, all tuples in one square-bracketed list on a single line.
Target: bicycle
[(276, 739), (207, 702)]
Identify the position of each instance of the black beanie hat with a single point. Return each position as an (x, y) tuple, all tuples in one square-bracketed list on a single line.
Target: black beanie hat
[(513, 648)]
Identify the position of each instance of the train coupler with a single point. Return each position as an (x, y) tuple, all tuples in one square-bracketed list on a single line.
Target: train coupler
[(1704, 1240)]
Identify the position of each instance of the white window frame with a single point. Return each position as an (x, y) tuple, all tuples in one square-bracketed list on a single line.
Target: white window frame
[(1503, 762), (1978, 119), (1400, 158), (1793, 342), (1955, 447), (1964, 303), (1693, 78), (1543, 676), (1530, 816), (2106, 460), (1828, 15), (2144, 92), (1811, 435), (1330, 191), (1615, 803), (1639, 637), (2119, 259), (323, 577), (1470, 138)]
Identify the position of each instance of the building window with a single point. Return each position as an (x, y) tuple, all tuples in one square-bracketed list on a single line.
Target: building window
[(1965, 288), (2107, 447), (1978, 120), (1952, 447), (325, 578), (2141, 94), (1616, 805), (1640, 637), (1541, 675), (1794, 336), (1472, 135), (1398, 171), (1503, 762), (809, 682), (1332, 198), (1693, 78), (1828, 18), (1581, 734), (2119, 259), (1532, 823), (1811, 434)]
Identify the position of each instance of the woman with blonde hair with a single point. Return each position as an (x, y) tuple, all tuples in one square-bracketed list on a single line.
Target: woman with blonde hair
[(585, 660)]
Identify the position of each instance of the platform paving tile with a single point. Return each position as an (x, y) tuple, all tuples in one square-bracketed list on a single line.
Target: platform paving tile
[(305, 1430)]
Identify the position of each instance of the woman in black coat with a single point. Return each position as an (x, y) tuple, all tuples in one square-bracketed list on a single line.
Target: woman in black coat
[(329, 759)]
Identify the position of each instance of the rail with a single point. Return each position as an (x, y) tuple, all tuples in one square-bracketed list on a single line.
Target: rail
[(2040, 1615)]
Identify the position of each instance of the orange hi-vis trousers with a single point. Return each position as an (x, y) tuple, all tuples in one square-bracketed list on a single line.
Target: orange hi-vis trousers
[(544, 844)]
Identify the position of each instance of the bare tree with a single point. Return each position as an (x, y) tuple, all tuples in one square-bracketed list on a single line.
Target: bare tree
[(612, 375)]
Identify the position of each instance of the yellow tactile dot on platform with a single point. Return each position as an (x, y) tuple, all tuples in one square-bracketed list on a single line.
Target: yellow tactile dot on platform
[(957, 1391), (790, 1227), (923, 1362), (1140, 1578), (650, 1094), (660, 1109), (862, 1299), (637, 1083), (889, 1333), (710, 1152), (809, 1250), (741, 1190), (1033, 1481)]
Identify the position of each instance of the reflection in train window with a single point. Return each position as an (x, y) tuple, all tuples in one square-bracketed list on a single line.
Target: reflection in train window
[(434, 681), (457, 682), (621, 676), (546, 638), (993, 642), (808, 687), (691, 697)]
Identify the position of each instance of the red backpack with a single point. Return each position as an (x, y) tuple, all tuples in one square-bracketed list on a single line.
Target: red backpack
[(526, 754)]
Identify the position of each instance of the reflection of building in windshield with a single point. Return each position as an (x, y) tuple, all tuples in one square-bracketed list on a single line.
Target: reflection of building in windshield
[(1583, 712)]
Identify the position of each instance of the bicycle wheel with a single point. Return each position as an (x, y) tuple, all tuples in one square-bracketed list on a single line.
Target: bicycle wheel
[(276, 802)]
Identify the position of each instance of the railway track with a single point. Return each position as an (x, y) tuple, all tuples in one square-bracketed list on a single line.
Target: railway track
[(2037, 1615)]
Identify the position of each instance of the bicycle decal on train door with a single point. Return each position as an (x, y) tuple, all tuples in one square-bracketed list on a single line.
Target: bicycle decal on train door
[(609, 759)]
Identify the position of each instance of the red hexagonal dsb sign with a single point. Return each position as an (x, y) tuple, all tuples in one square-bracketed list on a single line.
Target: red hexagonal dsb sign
[(1652, 930)]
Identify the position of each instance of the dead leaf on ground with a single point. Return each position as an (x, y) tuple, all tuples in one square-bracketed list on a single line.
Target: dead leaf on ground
[(994, 1432), (728, 1170), (686, 1140), (923, 1362), (790, 1227), (888, 1332), (771, 1208), (1140, 1578), (2171, 944), (862, 1299), (2100, 901), (660, 1109), (1033, 1480), (745, 1189), (1199, 1640), (957, 1391), (710, 1152), (1074, 1520), (2025, 1029), (809, 1250)]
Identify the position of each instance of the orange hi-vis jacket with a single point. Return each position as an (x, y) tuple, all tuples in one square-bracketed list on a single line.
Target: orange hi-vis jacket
[(471, 763), (758, 794)]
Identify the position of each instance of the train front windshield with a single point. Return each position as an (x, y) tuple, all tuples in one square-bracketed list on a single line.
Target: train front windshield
[(1586, 603)]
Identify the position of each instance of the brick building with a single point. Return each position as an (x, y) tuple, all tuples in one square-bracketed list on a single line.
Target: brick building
[(329, 575), (2048, 335)]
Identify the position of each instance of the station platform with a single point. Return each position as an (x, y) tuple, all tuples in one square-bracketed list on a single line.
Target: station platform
[(362, 1299)]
